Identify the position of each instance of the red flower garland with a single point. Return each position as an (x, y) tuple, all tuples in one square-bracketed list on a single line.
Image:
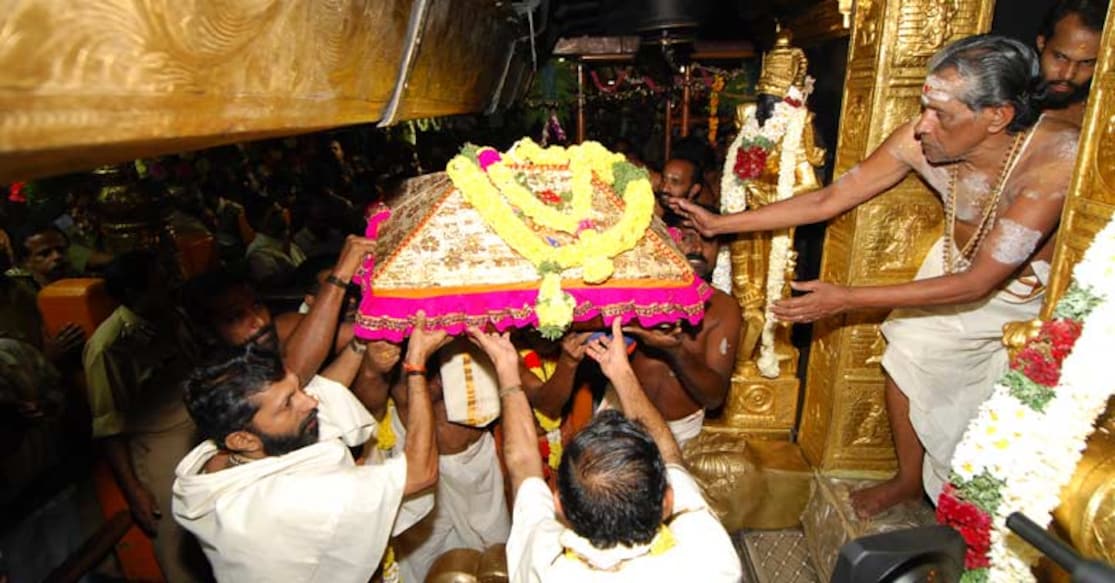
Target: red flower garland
[(972, 523), (1041, 359), (750, 162)]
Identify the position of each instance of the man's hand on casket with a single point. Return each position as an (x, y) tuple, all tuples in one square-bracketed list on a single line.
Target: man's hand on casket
[(821, 301), (382, 356), (352, 256), (666, 340), (424, 343), (573, 346)]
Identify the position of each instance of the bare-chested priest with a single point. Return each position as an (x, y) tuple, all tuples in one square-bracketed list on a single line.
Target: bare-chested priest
[(1002, 172)]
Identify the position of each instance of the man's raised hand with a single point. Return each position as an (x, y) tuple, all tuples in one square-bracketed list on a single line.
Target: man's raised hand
[(499, 348), (424, 343), (352, 256), (610, 352)]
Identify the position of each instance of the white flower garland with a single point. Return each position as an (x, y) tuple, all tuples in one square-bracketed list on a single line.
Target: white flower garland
[(780, 243), (785, 125), (1034, 453)]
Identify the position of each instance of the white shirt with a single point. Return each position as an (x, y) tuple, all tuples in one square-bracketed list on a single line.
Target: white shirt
[(702, 550), (309, 515)]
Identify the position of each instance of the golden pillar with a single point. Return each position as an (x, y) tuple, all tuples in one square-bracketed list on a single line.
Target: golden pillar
[(844, 428)]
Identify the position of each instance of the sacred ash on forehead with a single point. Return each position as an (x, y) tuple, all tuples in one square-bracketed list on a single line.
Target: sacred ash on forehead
[(1016, 242), (938, 89)]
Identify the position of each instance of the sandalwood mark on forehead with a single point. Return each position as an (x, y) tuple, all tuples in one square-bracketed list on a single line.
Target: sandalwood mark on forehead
[(938, 89), (723, 346)]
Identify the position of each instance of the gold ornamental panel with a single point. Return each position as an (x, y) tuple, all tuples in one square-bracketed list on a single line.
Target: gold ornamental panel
[(460, 59), (90, 81), (912, 223), (761, 405)]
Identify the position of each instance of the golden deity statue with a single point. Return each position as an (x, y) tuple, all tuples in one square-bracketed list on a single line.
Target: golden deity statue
[(775, 139), (765, 385)]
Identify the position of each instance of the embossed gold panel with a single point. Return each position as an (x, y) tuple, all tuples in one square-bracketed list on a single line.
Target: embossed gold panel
[(87, 81), (844, 428), (460, 59)]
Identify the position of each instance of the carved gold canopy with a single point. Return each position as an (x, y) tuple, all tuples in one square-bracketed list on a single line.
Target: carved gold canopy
[(87, 82)]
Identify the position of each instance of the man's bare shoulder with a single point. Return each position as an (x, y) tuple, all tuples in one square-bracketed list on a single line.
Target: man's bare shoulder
[(722, 311), (1046, 168), (1052, 148)]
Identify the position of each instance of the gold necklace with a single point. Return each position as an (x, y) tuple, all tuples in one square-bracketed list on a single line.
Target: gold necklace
[(987, 220)]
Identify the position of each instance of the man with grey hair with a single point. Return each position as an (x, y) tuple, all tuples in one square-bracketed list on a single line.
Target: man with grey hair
[(1002, 172)]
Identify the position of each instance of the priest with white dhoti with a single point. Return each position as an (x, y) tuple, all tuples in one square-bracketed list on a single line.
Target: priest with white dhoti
[(274, 493), (470, 510)]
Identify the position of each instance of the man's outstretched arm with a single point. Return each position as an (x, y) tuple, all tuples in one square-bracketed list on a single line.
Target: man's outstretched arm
[(880, 171), (420, 450)]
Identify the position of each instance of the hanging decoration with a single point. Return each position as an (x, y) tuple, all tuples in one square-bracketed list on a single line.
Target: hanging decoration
[(714, 108)]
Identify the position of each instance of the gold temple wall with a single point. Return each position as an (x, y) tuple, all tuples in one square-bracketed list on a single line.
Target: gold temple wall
[(844, 427), (88, 82)]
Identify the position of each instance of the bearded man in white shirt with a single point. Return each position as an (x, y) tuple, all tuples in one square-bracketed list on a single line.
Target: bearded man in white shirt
[(274, 493)]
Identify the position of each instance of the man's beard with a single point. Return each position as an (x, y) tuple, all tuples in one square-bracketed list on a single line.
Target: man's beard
[(1060, 100), (266, 337), (307, 434)]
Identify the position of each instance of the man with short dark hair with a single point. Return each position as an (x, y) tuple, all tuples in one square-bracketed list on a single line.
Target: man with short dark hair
[(274, 493), (40, 255), (231, 314), (1068, 45), (626, 509), (682, 178), (1002, 171)]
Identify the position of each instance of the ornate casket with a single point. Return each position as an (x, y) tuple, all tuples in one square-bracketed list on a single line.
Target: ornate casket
[(530, 237)]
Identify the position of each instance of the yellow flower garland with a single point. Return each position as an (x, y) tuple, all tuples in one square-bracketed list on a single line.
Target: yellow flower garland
[(495, 194)]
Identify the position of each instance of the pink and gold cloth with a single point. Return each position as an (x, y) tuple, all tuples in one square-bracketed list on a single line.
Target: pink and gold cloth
[(437, 254)]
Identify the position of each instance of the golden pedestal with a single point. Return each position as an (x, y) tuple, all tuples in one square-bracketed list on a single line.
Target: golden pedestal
[(829, 522), (750, 483)]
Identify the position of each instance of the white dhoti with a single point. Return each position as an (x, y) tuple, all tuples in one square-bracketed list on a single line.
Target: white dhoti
[(684, 429), (946, 360), (687, 427), (469, 510)]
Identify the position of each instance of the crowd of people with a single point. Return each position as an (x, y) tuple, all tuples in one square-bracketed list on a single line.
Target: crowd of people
[(256, 440)]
